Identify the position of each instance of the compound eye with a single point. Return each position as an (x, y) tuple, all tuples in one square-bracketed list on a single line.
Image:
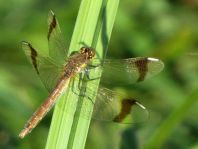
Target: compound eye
[(84, 50), (91, 55)]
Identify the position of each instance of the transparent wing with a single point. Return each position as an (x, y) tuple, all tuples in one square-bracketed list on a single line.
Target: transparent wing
[(57, 46), (128, 71), (46, 68), (110, 106)]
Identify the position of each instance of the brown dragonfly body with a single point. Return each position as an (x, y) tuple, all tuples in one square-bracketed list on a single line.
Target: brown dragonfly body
[(75, 65)]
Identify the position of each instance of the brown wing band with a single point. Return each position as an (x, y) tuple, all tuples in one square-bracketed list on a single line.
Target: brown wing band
[(51, 27), (142, 66), (125, 109), (33, 57)]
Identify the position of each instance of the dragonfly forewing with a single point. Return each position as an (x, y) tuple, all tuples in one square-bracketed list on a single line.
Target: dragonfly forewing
[(56, 43), (129, 71)]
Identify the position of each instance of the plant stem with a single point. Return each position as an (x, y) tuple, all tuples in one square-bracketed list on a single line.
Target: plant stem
[(162, 133), (93, 28)]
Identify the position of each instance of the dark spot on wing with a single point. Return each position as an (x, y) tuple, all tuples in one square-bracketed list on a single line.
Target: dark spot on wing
[(125, 109), (51, 26), (33, 57), (142, 66)]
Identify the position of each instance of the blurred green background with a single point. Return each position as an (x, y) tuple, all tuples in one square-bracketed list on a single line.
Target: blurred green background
[(164, 29)]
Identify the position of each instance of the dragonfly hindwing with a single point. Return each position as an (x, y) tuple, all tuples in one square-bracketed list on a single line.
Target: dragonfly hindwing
[(31, 53), (46, 68)]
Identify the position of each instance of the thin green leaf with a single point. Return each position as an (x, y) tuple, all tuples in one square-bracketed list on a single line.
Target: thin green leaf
[(163, 132), (93, 28)]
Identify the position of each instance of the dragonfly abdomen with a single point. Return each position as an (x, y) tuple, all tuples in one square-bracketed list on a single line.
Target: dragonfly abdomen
[(45, 107)]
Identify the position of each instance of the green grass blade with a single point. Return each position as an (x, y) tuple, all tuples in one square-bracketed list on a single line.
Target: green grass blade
[(163, 132), (93, 28)]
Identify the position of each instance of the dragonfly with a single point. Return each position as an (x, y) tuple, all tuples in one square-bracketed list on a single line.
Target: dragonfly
[(57, 70)]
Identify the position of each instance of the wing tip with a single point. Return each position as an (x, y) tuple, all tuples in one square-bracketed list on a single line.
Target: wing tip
[(31, 53), (25, 43), (140, 105), (158, 61), (52, 23), (153, 59), (51, 13)]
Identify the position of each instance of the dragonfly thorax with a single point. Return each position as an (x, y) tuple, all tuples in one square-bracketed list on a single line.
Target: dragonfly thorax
[(77, 62)]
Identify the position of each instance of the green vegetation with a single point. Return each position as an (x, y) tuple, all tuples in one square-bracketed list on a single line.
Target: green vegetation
[(68, 131), (163, 29)]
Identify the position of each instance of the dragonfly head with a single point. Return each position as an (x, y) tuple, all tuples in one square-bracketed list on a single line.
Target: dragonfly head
[(89, 52)]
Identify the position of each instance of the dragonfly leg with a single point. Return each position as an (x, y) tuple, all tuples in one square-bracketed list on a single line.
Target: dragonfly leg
[(78, 87), (87, 74), (81, 91), (74, 86), (91, 66), (80, 80), (77, 83)]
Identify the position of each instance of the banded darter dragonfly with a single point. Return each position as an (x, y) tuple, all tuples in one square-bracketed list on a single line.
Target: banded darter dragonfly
[(57, 71)]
